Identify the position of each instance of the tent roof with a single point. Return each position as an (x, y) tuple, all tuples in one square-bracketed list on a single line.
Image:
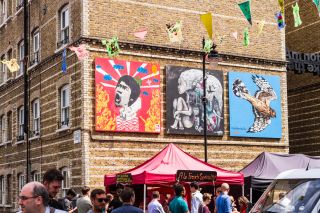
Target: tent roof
[(267, 166), (162, 168)]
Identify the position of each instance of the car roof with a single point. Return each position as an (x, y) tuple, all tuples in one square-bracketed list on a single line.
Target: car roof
[(299, 174)]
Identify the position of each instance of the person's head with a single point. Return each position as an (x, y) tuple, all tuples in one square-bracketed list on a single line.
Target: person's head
[(52, 181), (243, 201), (206, 198), (194, 186), (109, 197), (71, 194), (127, 91), (33, 197), (98, 199), (225, 188), (218, 191), (155, 195), (85, 190), (179, 190), (127, 196), (233, 204)]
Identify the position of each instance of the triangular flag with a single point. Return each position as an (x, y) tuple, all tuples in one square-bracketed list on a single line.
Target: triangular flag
[(141, 34), (175, 32), (296, 15), (112, 46), (207, 22), (246, 40), (12, 65), (235, 35), (260, 27), (280, 20), (245, 8), (80, 51), (281, 4), (317, 3), (207, 46), (64, 61)]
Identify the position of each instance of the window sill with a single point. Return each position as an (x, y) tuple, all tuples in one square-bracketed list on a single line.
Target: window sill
[(33, 65), (21, 74), (61, 48), (18, 11), (20, 142), (3, 24), (34, 138), (7, 142), (62, 129)]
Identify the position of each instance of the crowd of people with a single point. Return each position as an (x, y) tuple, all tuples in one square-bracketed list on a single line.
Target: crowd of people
[(36, 197)]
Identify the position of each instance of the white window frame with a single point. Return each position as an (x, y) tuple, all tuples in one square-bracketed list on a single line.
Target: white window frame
[(36, 46), (21, 181), (21, 121), (2, 190), (21, 57), (3, 129), (36, 176), (3, 11), (65, 184), (65, 106), (3, 71), (64, 24), (36, 117)]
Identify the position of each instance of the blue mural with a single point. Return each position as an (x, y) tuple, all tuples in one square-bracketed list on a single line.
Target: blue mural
[(254, 105)]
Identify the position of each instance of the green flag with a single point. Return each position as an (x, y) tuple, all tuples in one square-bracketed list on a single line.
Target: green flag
[(317, 3), (245, 8), (246, 40), (296, 15)]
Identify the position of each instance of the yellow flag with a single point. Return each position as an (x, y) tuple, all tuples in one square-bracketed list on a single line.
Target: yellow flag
[(260, 27), (207, 22), (12, 65), (281, 4)]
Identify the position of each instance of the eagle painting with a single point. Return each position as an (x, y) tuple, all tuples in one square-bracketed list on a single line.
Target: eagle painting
[(260, 101)]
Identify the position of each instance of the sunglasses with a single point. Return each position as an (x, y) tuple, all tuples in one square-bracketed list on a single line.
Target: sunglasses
[(100, 200)]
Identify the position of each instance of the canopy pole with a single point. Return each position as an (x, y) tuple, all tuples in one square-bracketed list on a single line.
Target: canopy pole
[(144, 197), (242, 190), (250, 194)]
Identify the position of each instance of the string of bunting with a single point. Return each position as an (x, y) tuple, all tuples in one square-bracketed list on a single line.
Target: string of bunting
[(12, 65)]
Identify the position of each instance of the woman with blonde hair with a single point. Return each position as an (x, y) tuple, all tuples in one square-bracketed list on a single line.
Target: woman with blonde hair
[(203, 208), (244, 204)]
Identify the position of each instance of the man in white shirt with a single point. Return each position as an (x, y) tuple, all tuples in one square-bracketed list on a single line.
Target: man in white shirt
[(34, 198), (154, 206), (196, 199)]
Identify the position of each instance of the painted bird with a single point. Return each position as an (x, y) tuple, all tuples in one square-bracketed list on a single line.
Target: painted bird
[(260, 101)]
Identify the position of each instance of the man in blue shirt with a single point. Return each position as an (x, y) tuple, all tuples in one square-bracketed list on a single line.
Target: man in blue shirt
[(223, 202), (128, 197), (178, 204)]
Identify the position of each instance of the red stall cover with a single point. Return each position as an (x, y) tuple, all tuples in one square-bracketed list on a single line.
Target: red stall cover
[(162, 169)]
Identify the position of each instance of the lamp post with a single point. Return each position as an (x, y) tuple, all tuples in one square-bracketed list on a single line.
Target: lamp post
[(26, 85), (204, 102)]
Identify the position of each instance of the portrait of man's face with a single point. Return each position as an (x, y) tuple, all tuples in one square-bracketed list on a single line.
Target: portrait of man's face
[(123, 93)]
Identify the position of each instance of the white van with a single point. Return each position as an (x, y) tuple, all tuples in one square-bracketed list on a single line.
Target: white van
[(293, 191)]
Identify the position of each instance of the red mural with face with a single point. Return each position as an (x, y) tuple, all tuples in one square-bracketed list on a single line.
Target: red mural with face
[(127, 96)]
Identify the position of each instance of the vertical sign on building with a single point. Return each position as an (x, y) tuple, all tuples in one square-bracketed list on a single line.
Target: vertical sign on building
[(127, 96)]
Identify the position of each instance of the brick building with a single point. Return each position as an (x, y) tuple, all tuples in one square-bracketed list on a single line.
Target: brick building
[(303, 100), (63, 105)]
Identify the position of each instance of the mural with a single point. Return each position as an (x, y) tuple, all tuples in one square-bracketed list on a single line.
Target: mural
[(127, 96), (255, 105), (184, 101)]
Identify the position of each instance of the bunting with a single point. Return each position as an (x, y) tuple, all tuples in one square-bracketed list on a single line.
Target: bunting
[(80, 51), (235, 35), (141, 34), (246, 40), (260, 27), (64, 61), (317, 3), (246, 10), (296, 15), (281, 5), (207, 48), (175, 32), (280, 20), (12, 65), (112, 46), (207, 22)]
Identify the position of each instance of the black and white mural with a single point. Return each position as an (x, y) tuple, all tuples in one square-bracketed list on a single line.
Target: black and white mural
[(184, 92)]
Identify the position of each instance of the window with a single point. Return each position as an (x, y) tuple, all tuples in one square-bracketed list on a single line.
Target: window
[(19, 4), (20, 124), (21, 181), (66, 181), (36, 176), (2, 190), (64, 106), (3, 70), (36, 117), (9, 187), (3, 11), (21, 57), (3, 129), (9, 126), (64, 26), (36, 47), (8, 75)]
